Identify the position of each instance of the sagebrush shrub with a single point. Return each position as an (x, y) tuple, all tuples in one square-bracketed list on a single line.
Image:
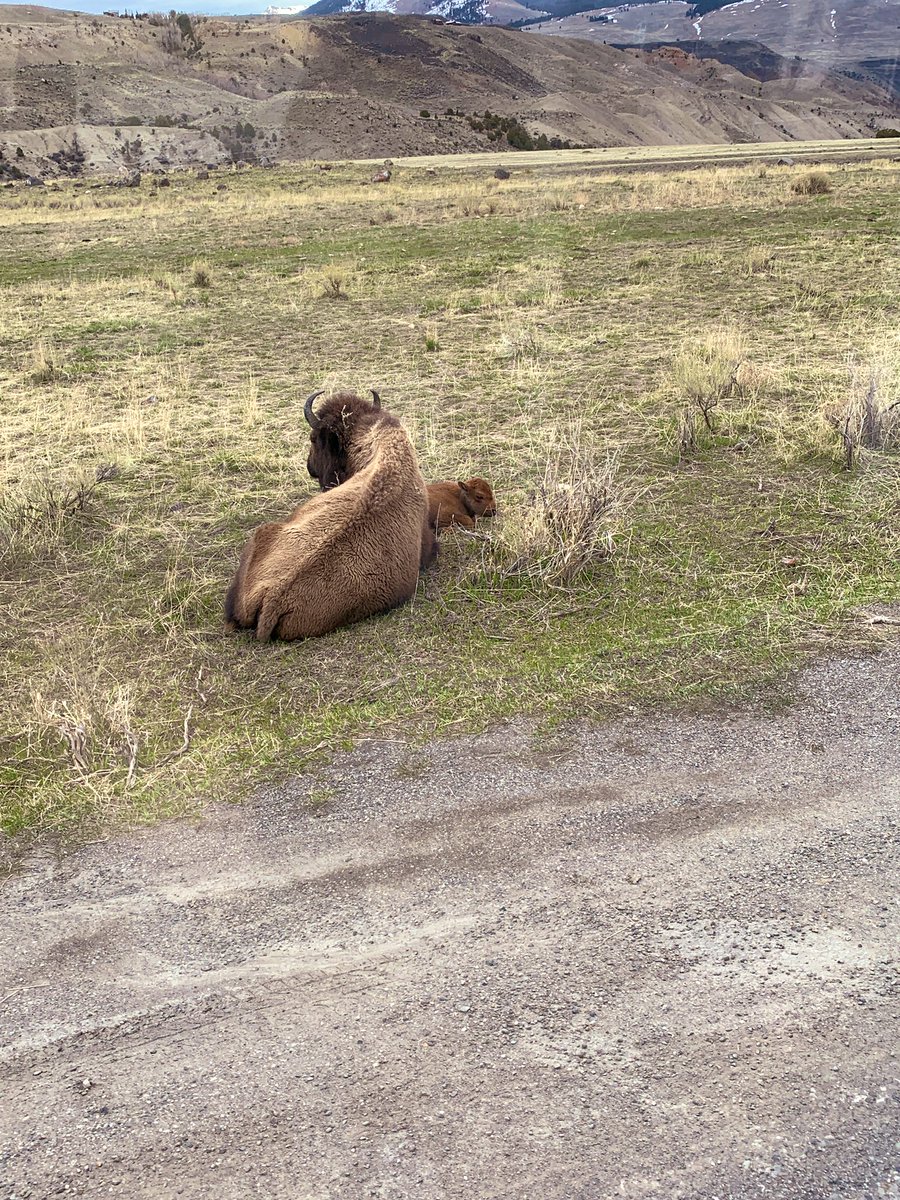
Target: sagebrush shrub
[(813, 183)]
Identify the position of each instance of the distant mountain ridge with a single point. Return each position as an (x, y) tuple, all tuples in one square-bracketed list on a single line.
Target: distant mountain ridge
[(459, 12), (834, 32)]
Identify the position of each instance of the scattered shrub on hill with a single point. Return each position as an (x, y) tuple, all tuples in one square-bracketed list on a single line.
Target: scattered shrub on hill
[(130, 121), (701, 7), (517, 136), (179, 36), (237, 141), (9, 170), (71, 159), (132, 151), (887, 133), (813, 183)]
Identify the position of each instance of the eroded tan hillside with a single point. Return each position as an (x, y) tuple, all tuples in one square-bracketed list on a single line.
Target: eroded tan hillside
[(375, 84)]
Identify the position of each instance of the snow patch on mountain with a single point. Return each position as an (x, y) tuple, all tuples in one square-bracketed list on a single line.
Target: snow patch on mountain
[(389, 6), (473, 12)]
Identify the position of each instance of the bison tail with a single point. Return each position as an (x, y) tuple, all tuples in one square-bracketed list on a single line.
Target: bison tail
[(231, 618), (429, 546), (267, 620)]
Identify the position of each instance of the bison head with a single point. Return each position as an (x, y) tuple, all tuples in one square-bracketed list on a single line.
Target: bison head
[(478, 497), (332, 431)]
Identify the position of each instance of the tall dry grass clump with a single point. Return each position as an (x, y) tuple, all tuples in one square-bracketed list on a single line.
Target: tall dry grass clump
[(91, 723), (37, 516), (519, 342), (704, 374), (812, 183), (566, 526), (44, 363), (333, 286), (867, 417), (201, 275)]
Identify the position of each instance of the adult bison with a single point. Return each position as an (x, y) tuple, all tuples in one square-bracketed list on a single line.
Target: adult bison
[(353, 550)]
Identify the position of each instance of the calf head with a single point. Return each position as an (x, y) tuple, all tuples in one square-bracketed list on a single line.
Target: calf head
[(333, 428), (478, 497)]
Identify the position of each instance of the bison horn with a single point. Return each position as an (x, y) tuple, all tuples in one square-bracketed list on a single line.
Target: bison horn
[(376, 399), (311, 417)]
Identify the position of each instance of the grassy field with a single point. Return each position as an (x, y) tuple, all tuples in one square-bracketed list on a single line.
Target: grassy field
[(715, 153), (561, 333)]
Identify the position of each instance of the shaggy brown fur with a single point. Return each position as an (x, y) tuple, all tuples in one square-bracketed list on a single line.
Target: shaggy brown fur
[(460, 503), (327, 464), (350, 552)]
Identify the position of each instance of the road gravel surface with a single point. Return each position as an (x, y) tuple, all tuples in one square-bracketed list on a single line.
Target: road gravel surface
[(655, 958)]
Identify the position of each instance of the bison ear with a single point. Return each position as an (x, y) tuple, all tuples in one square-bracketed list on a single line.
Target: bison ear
[(463, 486)]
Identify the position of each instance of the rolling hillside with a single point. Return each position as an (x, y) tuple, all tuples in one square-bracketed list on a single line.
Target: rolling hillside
[(836, 32), (370, 85)]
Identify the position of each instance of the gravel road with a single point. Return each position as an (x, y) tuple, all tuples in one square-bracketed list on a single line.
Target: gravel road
[(658, 958)]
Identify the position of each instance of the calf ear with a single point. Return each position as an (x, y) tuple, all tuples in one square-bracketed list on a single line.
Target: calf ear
[(462, 485)]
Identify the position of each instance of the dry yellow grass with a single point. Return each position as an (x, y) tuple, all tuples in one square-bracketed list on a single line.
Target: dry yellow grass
[(495, 319)]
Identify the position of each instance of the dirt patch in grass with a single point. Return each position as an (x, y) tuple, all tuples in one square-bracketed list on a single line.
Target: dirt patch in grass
[(493, 323)]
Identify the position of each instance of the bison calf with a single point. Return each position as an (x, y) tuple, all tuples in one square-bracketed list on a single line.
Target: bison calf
[(460, 503)]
